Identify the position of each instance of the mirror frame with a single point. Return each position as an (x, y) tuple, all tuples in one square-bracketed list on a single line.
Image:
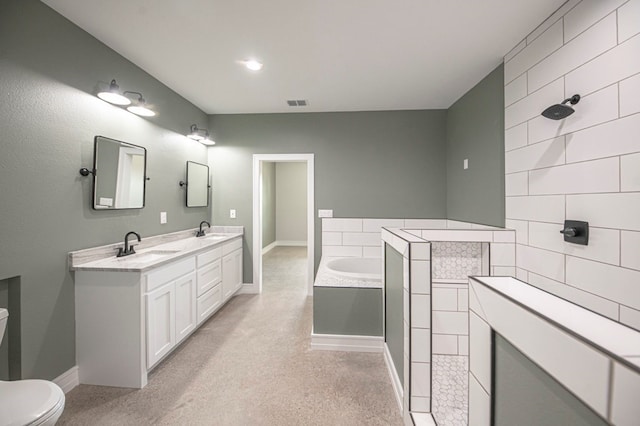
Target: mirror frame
[(95, 174), (189, 183)]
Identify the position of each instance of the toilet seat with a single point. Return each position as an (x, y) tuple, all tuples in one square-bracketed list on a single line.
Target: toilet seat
[(30, 402)]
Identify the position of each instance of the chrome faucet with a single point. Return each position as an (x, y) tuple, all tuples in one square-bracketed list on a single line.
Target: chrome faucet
[(201, 233), (128, 249)]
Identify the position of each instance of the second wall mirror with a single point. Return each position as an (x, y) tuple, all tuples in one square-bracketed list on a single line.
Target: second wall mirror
[(197, 184)]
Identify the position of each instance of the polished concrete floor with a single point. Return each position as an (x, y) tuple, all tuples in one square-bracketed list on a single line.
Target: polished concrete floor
[(250, 364)]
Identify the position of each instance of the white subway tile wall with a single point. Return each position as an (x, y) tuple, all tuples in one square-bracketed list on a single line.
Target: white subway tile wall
[(585, 167)]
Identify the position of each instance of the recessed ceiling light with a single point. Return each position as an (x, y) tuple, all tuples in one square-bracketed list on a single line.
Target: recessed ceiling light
[(253, 65)]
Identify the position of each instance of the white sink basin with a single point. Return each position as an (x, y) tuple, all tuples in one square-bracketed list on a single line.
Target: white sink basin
[(215, 237), (149, 256)]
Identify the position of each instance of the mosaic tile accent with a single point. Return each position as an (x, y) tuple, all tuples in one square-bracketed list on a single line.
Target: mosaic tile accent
[(450, 390), (456, 260)]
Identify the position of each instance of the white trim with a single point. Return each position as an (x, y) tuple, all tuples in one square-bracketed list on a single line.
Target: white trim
[(398, 390), (291, 243), (68, 380), (346, 343), (247, 288), (275, 244), (257, 215), (270, 247)]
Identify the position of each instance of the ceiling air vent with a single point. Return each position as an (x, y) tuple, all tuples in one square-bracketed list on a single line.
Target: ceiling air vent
[(296, 102)]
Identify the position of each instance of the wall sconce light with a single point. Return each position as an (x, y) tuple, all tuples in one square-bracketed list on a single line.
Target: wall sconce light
[(200, 135), (140, 106), (113, 96)]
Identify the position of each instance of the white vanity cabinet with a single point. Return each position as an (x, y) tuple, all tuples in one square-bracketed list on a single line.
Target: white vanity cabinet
[(128, 318)]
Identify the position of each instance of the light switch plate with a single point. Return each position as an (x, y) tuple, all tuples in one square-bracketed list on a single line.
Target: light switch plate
[(163, 218), (232, 213), (325, 213), (466, 163)]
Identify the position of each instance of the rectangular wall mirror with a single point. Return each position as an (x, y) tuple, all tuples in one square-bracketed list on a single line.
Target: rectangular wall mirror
[(119, 174), (197, 184)]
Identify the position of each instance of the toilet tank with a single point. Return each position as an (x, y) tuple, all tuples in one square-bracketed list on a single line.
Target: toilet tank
[(3, 322)]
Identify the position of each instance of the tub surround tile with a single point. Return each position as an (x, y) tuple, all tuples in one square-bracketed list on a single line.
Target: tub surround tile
[(327, 278), (341, 225)]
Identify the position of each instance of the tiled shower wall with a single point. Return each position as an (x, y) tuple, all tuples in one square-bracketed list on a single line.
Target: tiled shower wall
[(586, 167)]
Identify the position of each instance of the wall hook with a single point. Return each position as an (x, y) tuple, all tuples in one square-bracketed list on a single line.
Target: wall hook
[(86, 172)]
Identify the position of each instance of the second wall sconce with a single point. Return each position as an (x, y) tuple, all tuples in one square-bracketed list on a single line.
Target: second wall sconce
[(200, 135), (113, 96)]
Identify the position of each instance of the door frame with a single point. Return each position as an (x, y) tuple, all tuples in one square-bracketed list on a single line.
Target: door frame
[(258, 159)]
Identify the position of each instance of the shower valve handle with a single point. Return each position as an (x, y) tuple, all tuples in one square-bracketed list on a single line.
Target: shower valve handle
[(569, 232)]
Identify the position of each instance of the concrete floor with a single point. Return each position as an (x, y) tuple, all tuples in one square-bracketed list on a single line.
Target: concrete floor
[(250, 364)]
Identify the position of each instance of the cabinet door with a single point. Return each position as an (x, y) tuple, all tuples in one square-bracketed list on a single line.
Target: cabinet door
[(161, 325), (229, 274), (238, 265), (185, 312)]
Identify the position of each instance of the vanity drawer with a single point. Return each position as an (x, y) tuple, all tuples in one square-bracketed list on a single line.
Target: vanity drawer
[(208, 303), (208, 257), (232, 246), (169, 272), (209, 276)]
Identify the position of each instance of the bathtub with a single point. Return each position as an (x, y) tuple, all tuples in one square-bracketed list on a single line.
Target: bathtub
[(366, 268)]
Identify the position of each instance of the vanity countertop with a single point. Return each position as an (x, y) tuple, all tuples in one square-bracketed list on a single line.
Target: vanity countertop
[(156, 251)]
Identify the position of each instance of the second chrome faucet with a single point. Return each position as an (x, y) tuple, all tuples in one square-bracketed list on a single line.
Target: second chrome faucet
[(201, 233)]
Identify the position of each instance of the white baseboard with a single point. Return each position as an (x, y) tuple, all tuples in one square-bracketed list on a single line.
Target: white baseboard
[(68, 380), (340, 342), (292, 243), (281, 243), (398, 390), (248, 288), (270, 247)]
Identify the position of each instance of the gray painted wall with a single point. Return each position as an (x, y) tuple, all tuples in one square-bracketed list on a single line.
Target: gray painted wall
[(49, 69), (367, 164), (350, 311), (291, 202), (475, 130), (268, 203)]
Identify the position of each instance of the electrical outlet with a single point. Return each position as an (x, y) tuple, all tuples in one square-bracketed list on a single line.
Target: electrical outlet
[(325, 213), (163, 218), (466, 163), (232, 213)]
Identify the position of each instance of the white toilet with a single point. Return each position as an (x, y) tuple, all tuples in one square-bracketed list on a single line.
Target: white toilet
[(28, 402)]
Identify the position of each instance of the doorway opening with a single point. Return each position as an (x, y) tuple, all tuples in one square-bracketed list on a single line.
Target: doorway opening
[(262, 236)]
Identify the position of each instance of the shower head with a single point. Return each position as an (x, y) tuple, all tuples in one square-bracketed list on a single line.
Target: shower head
[(560, 111)]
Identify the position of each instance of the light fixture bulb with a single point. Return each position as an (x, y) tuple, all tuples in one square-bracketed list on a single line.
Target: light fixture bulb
[(207, 141), (141, 110), (253, 65), (195, 137), (113, 95)]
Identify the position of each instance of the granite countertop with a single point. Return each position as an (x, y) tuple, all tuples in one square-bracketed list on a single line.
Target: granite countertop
[(156, 251), (326, 278)]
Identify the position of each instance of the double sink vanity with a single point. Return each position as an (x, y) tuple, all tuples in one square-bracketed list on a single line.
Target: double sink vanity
[(132, 311)]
